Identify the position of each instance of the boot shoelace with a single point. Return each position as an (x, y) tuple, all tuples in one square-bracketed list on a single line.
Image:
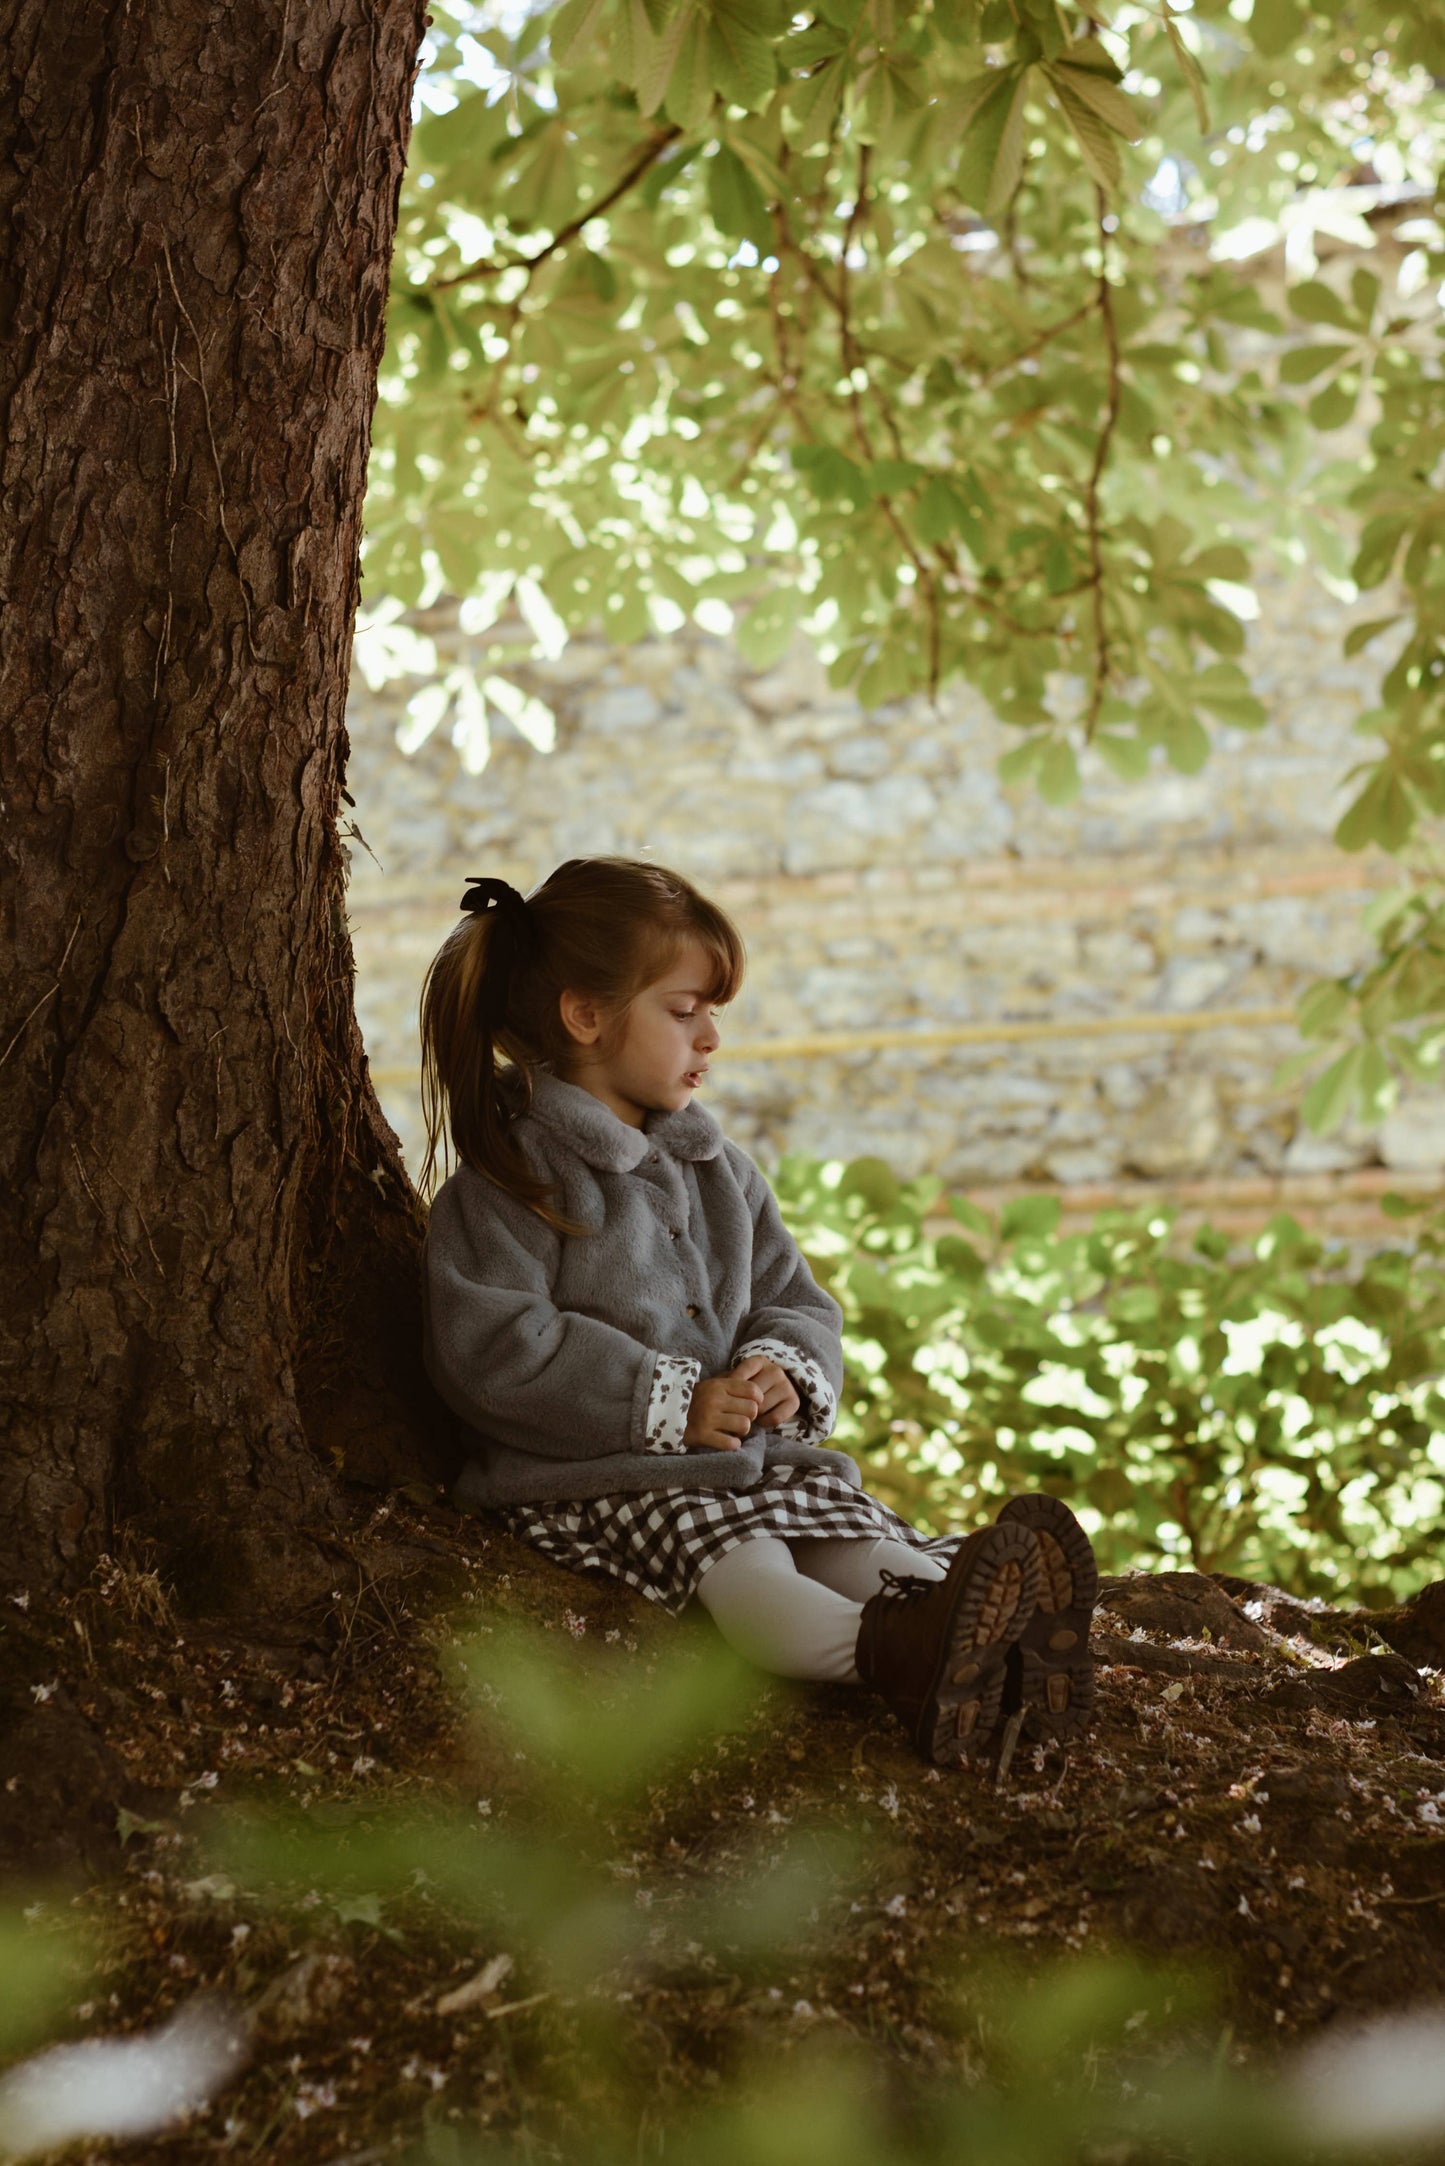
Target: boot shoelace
[(904, 1586)]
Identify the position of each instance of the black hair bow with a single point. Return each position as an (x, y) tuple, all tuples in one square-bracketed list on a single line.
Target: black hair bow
[(484, 894)]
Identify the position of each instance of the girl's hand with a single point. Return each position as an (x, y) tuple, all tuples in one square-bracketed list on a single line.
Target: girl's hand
[(779, 1401), (722, 1411)]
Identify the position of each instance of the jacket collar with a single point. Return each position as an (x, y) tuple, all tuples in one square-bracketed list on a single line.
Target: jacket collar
[(599, 1137)]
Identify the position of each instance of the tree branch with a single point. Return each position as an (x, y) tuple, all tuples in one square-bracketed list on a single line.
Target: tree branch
[(1105, 301), (489, 267), (1037, 345)]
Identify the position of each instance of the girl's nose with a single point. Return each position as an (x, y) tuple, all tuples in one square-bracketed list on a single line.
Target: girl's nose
[(709, 1036)]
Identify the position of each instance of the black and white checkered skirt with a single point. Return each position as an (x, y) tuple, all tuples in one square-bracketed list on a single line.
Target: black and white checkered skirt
[(661, 1541)]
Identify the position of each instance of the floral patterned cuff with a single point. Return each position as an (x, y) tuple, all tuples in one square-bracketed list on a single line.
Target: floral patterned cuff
[(818, 1407), (670, 1399)]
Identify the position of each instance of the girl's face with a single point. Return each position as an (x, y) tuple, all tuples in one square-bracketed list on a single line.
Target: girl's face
[(668, 1039)]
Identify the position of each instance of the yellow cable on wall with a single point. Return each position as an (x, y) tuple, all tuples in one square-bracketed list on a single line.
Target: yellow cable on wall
[(1000, 1033)]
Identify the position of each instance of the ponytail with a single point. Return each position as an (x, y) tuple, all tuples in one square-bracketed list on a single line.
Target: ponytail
[(602, 927)]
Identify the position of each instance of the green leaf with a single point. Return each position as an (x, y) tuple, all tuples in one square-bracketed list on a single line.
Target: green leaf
[(1381, 813), (633, 39), (942, 510), (1223, 560), (764, 635), (1394, 1205), (1335, 405), (991, 160), (573, 28), (1379, 546), (1328, 1101), (736, 201), (1019, 764), (1292, 1070), (959, 1258), (544, 190), (1097, 144), (1321, 1008), (1302, 363), (886, 477), (973, 1216), (464, 138), (1099, 93), (1186, 743), (830, 474), (1318, 303), (1030, 1218), (812, 104), (1376, 1085), (872, 1180), (1059, 781), (690, 94), (742, 56), (1189, 68), (1365, 293), (1127, 756), (1362, 634), (655, 69)]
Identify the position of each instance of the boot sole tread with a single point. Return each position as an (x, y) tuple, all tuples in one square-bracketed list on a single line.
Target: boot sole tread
[(998, 1585), (1054, 1683)]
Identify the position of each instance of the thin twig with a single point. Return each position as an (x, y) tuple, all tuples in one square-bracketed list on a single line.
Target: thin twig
[(118, 1247), (489, 267), (1105, 299), (40, 1003), (1037, 345), (922, 571), (200, 381), (1011, 1731)]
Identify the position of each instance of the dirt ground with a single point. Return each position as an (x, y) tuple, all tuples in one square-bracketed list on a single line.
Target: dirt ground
[(1261, 1802)]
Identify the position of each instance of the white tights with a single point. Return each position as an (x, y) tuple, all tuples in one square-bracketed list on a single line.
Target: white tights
[(793, 1607)]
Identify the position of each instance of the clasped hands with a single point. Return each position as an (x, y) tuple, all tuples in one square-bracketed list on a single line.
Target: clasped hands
[(725, 1408)]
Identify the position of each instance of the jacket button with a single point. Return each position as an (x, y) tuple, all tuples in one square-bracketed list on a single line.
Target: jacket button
[(692, 1308), (672, 1233)]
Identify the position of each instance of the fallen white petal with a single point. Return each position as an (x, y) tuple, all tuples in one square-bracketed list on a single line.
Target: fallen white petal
[(122, 2086), (475, 1990), (1380, 2081)]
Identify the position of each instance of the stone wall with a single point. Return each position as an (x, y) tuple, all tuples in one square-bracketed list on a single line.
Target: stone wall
[(884, 878)]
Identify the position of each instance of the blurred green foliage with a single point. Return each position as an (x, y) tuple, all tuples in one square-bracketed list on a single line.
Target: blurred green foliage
[(587, 1740), (592, 1749), (1065, 2062), (1275, 1413), (42, 1960)]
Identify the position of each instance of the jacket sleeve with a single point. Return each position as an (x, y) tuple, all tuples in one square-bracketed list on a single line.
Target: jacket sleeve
[(791, 1320), (514, 1365)]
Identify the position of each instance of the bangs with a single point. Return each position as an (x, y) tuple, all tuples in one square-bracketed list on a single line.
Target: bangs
[(720, 942), (724, 949)]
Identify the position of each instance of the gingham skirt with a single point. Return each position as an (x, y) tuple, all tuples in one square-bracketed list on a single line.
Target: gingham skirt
[(661, 1541)]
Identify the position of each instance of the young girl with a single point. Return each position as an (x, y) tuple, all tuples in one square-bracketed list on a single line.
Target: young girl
[(648, 1368)]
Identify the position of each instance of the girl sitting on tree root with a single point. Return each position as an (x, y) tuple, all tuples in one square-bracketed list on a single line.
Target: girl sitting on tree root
[(649, 1369)]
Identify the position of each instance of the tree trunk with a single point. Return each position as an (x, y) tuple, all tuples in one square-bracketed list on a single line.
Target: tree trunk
[(207, 1241)]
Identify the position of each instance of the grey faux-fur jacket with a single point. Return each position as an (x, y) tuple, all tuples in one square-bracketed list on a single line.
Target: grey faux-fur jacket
[(572, 1357)]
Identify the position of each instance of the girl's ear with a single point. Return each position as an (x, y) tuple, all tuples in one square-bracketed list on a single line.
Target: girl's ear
[(581, 1017)]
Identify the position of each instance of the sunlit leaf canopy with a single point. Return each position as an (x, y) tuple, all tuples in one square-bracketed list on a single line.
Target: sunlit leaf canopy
[(934, 329)]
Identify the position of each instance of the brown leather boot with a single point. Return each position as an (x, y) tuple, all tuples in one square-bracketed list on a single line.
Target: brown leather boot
[(935, 1649), (1050, 1669)]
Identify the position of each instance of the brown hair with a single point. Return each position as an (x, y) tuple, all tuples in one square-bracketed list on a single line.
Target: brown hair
[(604, 927)]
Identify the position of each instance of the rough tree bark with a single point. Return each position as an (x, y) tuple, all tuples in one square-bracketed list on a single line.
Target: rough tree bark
[(207, 1242)]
